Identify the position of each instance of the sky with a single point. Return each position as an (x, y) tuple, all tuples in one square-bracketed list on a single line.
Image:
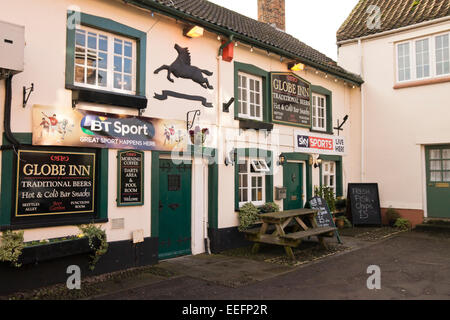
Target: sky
[(313, 22)]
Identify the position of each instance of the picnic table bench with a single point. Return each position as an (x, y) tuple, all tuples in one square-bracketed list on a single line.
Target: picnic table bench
[(280, 220)]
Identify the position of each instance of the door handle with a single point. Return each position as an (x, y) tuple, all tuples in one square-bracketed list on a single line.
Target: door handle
[(160, 205)]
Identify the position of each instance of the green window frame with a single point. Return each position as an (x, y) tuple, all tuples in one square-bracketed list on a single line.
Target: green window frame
[(329, 105), (255, 71), (110, 26), (339, 177), (8, 182), (256, 153)]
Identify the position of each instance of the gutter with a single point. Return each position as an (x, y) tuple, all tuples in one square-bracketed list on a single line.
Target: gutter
[(388, 32), (178, 15), (225, 45)]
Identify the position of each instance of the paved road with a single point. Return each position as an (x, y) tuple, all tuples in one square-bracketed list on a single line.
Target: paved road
[(413, 266)]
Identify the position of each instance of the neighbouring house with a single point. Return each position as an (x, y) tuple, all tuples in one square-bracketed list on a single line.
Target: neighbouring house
[(157, 121), (401, 50)]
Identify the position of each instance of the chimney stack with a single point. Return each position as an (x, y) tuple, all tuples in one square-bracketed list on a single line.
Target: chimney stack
[(272, 12)]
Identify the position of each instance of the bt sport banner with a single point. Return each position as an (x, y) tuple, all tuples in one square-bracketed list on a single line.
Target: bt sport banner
[(83, 128)]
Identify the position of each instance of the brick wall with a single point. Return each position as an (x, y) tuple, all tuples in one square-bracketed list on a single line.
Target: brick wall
[(272, 12), (414, 216)]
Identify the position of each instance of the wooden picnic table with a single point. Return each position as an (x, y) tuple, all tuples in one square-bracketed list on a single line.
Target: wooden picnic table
[(288, 239)]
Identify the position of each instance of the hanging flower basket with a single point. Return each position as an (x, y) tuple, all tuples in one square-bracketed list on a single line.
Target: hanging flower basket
[(198, 136)]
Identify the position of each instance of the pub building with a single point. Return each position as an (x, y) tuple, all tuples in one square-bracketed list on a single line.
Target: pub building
[(157, 121)]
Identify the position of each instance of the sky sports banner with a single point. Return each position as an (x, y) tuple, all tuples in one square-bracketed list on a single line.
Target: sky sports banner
[(319, 143), (82, 128)]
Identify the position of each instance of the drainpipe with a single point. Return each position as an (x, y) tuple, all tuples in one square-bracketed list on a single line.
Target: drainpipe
[(223, 46), (7, 116), (363, 143)]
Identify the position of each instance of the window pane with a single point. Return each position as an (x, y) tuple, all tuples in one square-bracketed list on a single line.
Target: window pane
[(128, 49), (435, 154), (245, 181), (422, 59), (435, 165), (117, 63), (80, 56), (80, 38), (91, 76), (102, 78), (254, 195), (79, 74), (127, 82), (442, 54), (118, 46), (436, 176), (244, 107), (92, 40), (91, 58), (446, 176), (252, 84), (403, 61), (117, 81), (102, 60), (445, 164), (260, 194), (243, 167), (127, 66), (446, 154), (103, 43)]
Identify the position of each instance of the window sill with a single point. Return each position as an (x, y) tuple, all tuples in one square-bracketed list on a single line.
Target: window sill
[(254, 124), (418, 83), (73, 222), (107, 97), (321, 132)]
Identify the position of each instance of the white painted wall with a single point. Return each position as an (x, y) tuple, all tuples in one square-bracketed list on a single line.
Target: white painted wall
[(45, 34), (398, 122)]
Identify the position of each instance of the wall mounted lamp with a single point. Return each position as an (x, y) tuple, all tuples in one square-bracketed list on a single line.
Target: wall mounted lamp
[(296, 66), (314, 160), (281, 160), (193, 31), (229, 158)]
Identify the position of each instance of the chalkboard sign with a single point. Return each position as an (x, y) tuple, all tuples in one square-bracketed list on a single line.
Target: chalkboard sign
[(364, 203), (54, 183), (130, 178), (324, 217), (291, 99)]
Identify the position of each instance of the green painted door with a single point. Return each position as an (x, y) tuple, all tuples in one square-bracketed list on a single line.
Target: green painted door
[(174, 209), (293, 182), (438, 181)]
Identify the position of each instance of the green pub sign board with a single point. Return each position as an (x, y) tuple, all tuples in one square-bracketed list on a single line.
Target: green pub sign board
[(130, 186), (54, 183), (291, 99)]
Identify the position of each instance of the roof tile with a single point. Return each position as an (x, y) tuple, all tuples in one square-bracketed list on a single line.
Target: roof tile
[(394, 14)]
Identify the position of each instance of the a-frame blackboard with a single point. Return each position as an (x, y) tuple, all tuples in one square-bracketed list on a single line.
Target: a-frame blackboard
[(364, 203), (324, 218)]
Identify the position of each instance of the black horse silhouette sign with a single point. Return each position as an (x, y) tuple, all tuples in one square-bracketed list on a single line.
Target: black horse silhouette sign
[(182, 68)]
